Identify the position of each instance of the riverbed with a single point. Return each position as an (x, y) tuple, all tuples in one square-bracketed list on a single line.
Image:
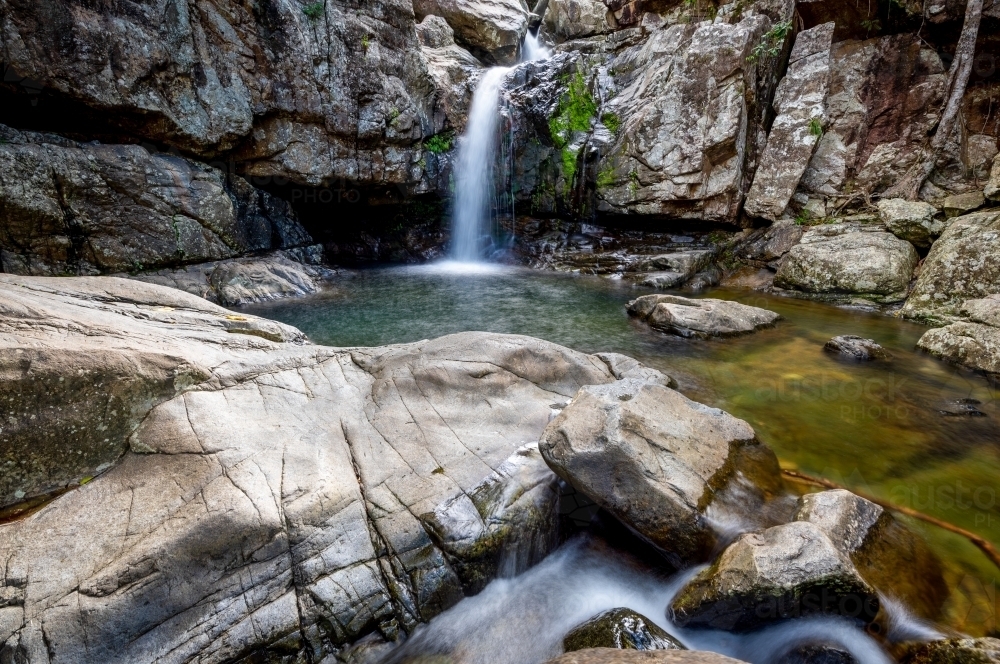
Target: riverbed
[(879, 429)]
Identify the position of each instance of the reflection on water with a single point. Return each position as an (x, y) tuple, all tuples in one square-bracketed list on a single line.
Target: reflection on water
[(876, 428)]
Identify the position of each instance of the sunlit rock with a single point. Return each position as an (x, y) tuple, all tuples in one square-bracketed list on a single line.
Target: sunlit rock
[(856, 348), (701, 318), (912, 221), (973, 342)]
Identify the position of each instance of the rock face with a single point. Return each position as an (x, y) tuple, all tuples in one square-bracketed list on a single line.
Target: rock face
[(263, 495), (992, 190), (856, 348), (573, 19), (620, 628), (966, 651), (798, 125), (660, 462), (912, 221), (492, 27), (701, 318), (72, 208), (784, 572), (309, 92), (765, 247), (974, 342), (887, 555), (615, 656), (960, 266), (956, 206), (841, 260), (453, 69)]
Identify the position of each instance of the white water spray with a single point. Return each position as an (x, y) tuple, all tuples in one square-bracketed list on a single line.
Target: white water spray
[(474, 170), (533, 49)]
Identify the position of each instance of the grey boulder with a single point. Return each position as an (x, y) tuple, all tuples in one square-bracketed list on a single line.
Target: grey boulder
[(973, 342), (856, 348), (912, 221), (787, 571), (492, 27), (700, 318)]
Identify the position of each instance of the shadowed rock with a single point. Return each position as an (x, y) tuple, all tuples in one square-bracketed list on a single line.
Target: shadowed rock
[(701, 318), (856, 348), (954, 651), (620, 628)]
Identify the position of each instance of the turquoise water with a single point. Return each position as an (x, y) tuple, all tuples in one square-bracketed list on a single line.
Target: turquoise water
[(875, 428)]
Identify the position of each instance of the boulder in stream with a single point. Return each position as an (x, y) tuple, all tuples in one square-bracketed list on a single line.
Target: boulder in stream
[(701, 318), (856, 348), (616, 656), (666, 466), (972, 343), (788, 571), (954, 651), (620, 628), (817, 654)]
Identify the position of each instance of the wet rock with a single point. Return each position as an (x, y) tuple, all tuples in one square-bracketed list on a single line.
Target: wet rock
[(974, 342), (961, 266), (887, 554), (242, 281), (616, 656), (956, 206), (573, 19), (453, 69), (992, 190), (842, 260), (620, 628), (765, 247), (673, 269), (799, 108), (856, 348), (701, 318), (963, 408), (957, 651), (305, 496), (787, 571), (88, 208), (817, 654), (912, 221), (492, 27), (671, 461)]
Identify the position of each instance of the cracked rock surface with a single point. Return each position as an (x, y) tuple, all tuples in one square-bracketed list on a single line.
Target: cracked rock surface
[(259, 494)]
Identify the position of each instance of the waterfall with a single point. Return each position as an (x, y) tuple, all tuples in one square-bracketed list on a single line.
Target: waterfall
[(533, 49), (474, 170)]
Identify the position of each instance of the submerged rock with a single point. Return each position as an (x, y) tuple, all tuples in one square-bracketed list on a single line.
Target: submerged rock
[(955, 651), (856, 348), (961, 266), (700, 318), (972, 343), (616, 656), (620, 628), (254, 492), (963, 408), (787, 571), (841, 260), (912, 221), (661, 463)]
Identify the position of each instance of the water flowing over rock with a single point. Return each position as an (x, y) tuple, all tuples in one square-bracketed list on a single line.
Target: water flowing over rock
[(961, 266), (974, 342), (700, 318), (263, 495), (799, 105), (74, 208), (787, 571), (616, 656), (840, 261), (620, 628), (671, 463)]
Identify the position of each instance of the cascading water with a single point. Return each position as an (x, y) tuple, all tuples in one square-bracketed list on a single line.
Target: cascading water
[(475, 168)]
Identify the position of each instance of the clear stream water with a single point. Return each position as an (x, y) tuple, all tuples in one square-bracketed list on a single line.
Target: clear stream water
[(871, 427)]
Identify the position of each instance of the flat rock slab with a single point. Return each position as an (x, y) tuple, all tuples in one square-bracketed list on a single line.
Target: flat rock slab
[(856, 348), (616, 656), (700, 318)]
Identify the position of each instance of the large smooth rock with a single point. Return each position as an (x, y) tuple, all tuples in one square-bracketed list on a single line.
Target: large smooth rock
[(840, 260), (615, 656), (799, 105), (955, 651), (961, 266), (787, 571), (661, 463), (620, 628), (492, 27), (974, 342), (310, 92), (701, 318), (254, 493), (887, 554), (87, 208), (912, 221), (573, 19)]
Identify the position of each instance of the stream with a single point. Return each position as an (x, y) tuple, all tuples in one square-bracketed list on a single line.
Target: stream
[(879, 429)]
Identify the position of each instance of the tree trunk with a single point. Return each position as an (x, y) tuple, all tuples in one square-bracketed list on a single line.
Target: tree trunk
[(958, 79)]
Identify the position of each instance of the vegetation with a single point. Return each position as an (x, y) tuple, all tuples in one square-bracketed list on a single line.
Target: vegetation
[(575, 112), (366, 42), (870, 24), (633, 181), (393, 116), (606, 178), (815, 127), (771, 43), (803, 218), (611, 121), (313, 10), (440, 143)]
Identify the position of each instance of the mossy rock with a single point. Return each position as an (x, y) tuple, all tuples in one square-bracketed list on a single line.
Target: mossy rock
[(620, 628)]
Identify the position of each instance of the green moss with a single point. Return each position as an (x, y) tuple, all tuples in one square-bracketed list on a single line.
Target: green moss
[(633, 181), (815, 127), (313, 10), (606, 178), (612, 122), (440, 143), (575, 112)]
